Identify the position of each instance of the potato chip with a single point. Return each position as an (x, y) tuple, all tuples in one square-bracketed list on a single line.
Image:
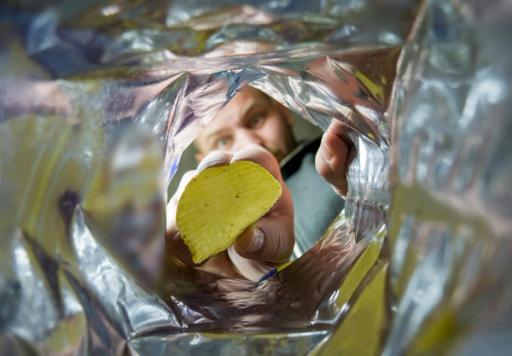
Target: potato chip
[(220, 203)]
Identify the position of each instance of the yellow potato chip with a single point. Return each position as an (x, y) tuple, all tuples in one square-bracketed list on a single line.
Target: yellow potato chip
[(220, 203)]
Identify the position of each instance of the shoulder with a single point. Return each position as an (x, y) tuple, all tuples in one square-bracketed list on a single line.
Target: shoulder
[(292, 163)]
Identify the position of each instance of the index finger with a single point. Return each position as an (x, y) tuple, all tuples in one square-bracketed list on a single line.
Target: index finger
[(261, 156)]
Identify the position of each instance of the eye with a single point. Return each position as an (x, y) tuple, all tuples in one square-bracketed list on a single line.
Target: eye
[(223, 142), (256, 120)]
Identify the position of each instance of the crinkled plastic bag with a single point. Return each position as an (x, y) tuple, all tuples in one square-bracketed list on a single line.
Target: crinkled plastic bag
[(99, 100)]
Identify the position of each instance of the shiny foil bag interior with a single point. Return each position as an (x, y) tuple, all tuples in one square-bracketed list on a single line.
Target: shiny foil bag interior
[(98, 100)]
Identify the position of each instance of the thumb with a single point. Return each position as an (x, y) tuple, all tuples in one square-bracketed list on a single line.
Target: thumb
[(271, 239)]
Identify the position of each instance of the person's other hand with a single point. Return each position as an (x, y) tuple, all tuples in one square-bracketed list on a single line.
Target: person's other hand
[(270, 239), (334, 156)]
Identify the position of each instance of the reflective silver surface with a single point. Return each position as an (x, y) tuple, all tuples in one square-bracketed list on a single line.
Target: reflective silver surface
[(98, 101)]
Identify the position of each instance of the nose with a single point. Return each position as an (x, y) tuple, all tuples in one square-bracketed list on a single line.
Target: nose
[(246, 137)]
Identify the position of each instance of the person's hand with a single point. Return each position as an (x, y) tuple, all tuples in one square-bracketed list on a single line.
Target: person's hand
[(270, 239), (334, 156)]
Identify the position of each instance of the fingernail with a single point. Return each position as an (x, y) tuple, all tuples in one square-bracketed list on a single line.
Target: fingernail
[(202, 166), (214, 158), (256, 242)]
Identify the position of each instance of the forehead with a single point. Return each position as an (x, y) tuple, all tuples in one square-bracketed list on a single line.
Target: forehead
[(235, 109)]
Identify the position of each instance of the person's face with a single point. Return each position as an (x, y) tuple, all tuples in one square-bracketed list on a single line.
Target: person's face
[(250, 117)]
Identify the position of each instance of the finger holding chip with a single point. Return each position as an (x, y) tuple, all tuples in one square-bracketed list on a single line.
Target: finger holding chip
[(271, 238), (268, 239), (174, 243)]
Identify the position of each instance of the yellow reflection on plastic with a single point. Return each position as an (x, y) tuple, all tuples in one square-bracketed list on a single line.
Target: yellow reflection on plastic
[(363, 264), (360, 331), (376, 89)]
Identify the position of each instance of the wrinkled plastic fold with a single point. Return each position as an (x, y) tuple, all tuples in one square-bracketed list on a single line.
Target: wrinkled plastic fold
[(98, 101)]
